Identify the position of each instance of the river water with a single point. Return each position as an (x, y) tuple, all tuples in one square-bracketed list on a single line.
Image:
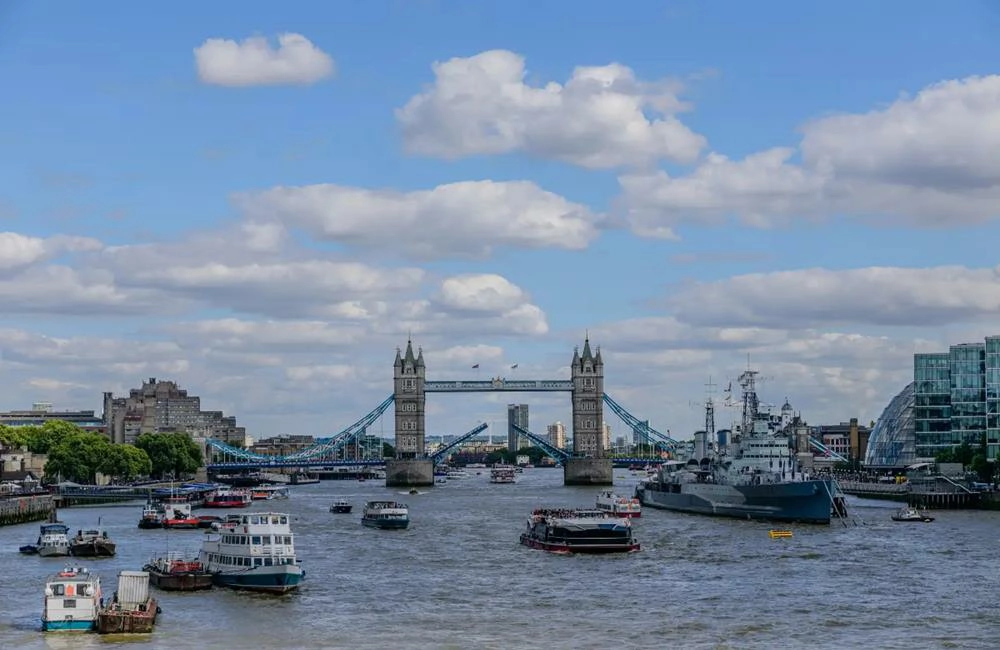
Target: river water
[(457, 578)]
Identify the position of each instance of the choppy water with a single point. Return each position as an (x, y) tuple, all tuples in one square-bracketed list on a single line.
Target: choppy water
[(457, 578)]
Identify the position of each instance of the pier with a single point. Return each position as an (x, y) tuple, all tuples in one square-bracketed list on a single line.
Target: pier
[(18, 509), (937, 492)]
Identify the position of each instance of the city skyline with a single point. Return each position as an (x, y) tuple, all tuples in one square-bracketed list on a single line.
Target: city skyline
[(263, 204)]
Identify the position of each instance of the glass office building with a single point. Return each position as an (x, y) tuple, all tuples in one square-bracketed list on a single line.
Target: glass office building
[(891, 443), (956, 397)]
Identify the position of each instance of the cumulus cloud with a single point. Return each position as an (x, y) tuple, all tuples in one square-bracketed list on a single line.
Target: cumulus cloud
[(480, 292), (822, 297), (598, 119), (464, 219), (927, 160), (254, 62)]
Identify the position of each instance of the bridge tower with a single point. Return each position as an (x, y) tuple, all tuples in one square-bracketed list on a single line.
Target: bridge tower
[(589, 464), (411, 466)]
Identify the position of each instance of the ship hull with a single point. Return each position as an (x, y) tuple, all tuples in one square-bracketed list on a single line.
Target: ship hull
[(68, 626), (278, 579), (564, 548), (383, 524), (803, 501)]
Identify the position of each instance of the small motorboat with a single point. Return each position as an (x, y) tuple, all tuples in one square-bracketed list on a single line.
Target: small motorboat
[(29, 549), (910, 513), (414, 491), (341, 506)]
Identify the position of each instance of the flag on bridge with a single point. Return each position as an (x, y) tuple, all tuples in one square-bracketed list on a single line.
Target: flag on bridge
[(513, 366), (476, 365)]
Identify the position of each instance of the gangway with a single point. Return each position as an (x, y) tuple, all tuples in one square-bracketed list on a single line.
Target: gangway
[(443, 452), (553, 452)]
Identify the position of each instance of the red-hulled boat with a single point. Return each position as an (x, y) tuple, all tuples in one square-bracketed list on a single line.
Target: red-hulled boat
[(174, 573), (178, 515), (228, 498), (568, 531)]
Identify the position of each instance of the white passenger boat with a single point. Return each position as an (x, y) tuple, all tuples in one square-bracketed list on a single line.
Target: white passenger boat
[(385, 514), (502, 474), (617, 505), (253, 551), (72, 601)]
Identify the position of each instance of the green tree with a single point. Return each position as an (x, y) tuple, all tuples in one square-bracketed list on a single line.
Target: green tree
[(13, 437), (388, 451), (126, 462), (77, 456), (170, 454)]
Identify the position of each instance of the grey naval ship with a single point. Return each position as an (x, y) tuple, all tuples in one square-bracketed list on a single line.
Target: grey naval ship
[(751, 476)]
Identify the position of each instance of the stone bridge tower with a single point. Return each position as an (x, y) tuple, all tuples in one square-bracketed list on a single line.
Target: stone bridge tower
[(411, 465), (589, 465)]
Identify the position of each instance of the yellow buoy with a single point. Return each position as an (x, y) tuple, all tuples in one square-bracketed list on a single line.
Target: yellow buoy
[(779, 533)]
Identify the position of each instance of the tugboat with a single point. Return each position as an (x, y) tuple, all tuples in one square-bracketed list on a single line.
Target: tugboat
[(152, 516), (566, 531), (388, 515), (72, 601), (92, 543), (178, 515), (341, 506), (174, 573), (910, 513), (131, 610)]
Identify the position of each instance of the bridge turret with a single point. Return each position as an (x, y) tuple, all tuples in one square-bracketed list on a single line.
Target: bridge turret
[(587, 374), (409, 376)]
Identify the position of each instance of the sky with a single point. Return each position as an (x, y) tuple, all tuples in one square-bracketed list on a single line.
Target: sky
[(262, 201)]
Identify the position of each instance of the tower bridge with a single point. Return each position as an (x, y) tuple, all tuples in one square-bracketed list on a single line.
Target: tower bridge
[(586, 464)]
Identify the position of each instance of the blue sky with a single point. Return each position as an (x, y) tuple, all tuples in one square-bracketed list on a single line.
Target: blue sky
[(497, 179)]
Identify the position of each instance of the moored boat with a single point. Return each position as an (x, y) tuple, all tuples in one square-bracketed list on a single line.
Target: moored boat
[(269, 492), (617, 505), (228, 498), (566, 531), (72, 600), (206, 521), (152, 516), (178, 515), (388, 515), (341, 506), (92, 543), (910, 513), (131, 610), (53, 541), (252, 551), (173, 572)]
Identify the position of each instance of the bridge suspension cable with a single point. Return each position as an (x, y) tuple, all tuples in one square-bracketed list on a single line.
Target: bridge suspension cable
[(443, 452), (553, 452)]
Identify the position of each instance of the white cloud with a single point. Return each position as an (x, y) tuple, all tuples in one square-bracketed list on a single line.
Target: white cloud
[(888, 296), (253, 62), (928, 160), (19, 251), (597, 119), (465, 219), (480, 292)]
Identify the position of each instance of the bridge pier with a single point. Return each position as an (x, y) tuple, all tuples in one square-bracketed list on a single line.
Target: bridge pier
[(409, 472), (588, 471)]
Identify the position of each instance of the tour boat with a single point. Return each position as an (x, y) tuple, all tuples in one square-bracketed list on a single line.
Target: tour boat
[(502, 474), (152, 516), (617, 505), (92, 543), (386, 515), (173, 572), (269, 492), (253, 551), (178, 515), (228, 498), (566, 531), (132, 610), (72, 601)]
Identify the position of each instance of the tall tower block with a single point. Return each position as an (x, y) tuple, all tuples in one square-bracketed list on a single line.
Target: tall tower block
[(411, 466), (589, 464)]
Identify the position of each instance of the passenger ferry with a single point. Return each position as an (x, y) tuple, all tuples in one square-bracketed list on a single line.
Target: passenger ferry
[(566, 531), (53, 540), (72, 601), (502, 474), (228, 498), (254, 551), (617, 505), (385, 514)]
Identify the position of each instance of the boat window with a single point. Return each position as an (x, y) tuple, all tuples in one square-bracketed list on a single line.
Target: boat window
[(70, 603), (288, 539), (258, 561), (267, 539), (284, 520), (255, 520), (59, 589), (267, 561), (255, 539)]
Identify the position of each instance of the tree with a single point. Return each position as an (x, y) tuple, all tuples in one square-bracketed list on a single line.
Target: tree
[(388, 451), (126, 462), (77, 456), (13, 437), (174, 454)]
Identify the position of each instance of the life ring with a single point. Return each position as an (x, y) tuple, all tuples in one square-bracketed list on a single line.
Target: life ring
[(66, 574), (70, 590)]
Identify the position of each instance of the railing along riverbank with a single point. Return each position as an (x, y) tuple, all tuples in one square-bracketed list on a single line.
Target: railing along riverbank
[(934, 492)]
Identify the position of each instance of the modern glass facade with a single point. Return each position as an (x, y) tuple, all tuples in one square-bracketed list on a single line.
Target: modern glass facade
[(957, 398), (891, 443)]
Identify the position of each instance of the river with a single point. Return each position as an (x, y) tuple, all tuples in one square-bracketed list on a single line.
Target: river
[(457, 578)]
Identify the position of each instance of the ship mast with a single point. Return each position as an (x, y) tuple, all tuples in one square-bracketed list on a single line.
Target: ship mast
[(748, 380), (710, 411)]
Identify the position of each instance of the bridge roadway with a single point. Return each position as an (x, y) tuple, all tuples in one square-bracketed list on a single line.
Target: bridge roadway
[(290, 464)]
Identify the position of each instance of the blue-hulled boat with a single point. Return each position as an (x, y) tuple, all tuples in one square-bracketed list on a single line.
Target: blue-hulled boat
[(253, 551)]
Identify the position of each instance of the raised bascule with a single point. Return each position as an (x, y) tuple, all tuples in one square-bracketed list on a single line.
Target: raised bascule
[(588, 464)]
